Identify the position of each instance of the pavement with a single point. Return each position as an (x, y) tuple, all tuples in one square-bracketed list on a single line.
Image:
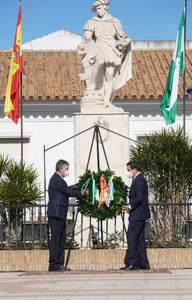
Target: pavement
[(114, 284)]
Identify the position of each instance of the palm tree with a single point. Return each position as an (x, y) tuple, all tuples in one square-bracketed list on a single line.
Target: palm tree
[(166, 158), (166, 161), (4, 161), (18, 186)]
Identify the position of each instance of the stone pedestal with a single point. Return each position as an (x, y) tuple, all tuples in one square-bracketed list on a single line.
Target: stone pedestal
[(93, 112), (116, 147)]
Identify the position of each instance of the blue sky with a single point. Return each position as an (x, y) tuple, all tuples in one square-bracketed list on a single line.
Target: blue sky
[(141, 19)]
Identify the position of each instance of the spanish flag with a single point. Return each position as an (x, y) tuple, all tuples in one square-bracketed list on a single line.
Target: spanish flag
[(11, 108)]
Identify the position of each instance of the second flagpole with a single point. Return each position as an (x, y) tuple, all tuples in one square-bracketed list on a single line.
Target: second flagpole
[(184, 106), (21, 111)]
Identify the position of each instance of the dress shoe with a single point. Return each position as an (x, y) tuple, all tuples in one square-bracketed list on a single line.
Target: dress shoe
[(144, 267), (59, 269), (129, 268), (124, 268), (51, 269), (63, 269)]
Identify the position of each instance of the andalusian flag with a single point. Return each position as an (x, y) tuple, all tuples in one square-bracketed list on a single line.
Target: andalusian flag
[(11, 108), (168, 105)]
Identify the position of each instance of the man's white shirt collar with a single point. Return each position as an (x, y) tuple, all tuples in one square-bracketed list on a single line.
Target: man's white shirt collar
[(136, 175), (60, 175)]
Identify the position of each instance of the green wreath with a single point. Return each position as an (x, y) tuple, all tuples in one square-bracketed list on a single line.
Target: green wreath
[(89, 205)]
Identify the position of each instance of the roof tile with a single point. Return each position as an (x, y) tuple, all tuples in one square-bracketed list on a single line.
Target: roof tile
[(54, 75)]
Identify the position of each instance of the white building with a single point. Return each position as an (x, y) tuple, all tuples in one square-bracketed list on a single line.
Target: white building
[(52, 92)]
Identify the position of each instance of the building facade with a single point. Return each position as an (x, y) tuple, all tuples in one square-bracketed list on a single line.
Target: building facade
[(52, 91)]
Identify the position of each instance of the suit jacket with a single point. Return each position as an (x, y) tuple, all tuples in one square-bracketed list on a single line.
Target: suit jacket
[(138, 199), (59, 194)]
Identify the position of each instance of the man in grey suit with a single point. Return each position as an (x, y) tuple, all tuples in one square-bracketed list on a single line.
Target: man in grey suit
[(59, 194)]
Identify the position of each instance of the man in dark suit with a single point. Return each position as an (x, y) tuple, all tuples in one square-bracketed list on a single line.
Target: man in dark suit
[(139, 212), (59, 194)]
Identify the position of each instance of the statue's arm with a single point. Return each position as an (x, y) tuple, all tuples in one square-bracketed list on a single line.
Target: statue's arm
[(123, 40), (88, 34), (86, 38)]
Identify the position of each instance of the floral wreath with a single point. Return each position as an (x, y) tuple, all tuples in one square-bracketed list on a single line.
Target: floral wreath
[(107, 194)]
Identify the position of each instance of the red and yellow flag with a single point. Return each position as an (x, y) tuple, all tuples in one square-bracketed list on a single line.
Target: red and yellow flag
[(11, 108)]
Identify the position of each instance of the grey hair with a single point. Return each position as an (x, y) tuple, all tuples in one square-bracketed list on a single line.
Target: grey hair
[(60, 164)]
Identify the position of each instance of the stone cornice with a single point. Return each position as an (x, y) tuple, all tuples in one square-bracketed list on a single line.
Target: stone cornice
[(66, 108)]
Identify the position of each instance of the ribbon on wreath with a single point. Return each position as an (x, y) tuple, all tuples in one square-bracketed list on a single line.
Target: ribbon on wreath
[(103, 190), (85, 186), (111, 190), (94, 190)]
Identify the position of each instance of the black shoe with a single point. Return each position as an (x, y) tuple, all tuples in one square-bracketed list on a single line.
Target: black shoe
[(63, 269), (144, 267), (130, 268), (52, 269), (59, 269), (124, 268)]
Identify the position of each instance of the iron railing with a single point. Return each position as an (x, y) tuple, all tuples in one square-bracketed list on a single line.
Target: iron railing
[(26, 227), (170, 225)]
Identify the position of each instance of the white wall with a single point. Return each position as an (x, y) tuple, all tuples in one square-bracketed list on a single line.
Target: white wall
[(140, 126), (43, 131), (59, 40), (49, 131)]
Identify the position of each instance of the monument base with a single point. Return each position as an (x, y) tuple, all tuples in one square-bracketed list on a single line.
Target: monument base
[(93, 112), (116, 147)]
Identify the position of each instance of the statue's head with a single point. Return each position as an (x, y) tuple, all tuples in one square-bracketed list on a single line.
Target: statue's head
[(98, 3)]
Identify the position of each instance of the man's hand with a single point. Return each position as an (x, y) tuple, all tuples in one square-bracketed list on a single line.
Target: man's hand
[(125, 209), (85, 192)]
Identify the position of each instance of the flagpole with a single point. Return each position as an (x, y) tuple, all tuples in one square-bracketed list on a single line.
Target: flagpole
[(184, 104), (21, 111), (21, 114)]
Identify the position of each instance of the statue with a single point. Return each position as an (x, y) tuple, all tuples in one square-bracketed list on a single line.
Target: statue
[(106, 53)]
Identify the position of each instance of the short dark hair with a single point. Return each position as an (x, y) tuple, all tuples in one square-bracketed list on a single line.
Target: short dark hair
[(60, 164), (134, 165)]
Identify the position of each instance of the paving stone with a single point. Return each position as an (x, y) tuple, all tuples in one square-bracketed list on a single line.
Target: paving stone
[(167, 285)]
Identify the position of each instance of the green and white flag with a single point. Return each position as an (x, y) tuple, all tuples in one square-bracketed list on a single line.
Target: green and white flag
[(168, 105)]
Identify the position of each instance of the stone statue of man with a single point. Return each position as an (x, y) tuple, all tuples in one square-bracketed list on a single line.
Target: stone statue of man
[(107, 53)]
